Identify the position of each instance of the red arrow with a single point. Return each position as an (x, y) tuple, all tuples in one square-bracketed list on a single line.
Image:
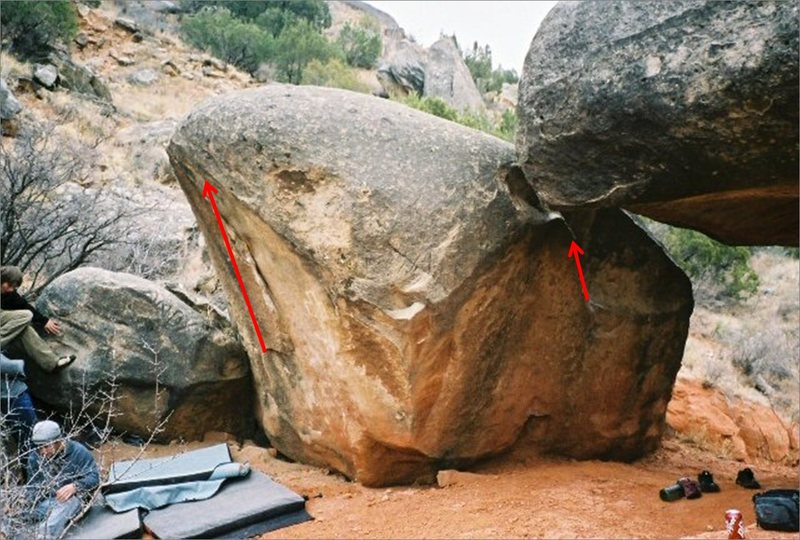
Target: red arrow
[(575, 249), (208, 191)]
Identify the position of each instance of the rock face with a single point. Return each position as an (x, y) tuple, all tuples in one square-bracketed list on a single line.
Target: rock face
[(686, 112), (417, 303), (744, 431), (447, 77), (128, 329)]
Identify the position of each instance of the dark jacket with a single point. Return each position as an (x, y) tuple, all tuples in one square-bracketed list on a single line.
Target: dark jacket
[(75, 464), (13, 301)]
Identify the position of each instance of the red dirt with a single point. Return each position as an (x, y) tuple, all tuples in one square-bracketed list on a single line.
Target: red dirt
[(525, 496)]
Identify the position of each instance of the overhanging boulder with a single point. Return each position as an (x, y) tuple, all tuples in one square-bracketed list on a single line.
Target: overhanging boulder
[(683, 111)]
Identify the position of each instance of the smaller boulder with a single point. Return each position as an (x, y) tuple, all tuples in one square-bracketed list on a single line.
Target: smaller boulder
[(126, 24), (9, 105), (144, 77), (170, 365), (45, 74)]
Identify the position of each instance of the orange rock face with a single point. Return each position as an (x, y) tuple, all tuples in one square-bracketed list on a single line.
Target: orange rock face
[(745, 431)]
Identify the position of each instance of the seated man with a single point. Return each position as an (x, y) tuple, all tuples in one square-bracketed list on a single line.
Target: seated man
[(16, 405), (62, 477), (17, 317)]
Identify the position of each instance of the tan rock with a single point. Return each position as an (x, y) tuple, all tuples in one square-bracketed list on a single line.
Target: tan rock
[(416, 300)]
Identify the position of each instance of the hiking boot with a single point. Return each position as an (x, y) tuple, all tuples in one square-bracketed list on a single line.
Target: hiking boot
[(747, 479), (690, 488), (64, 361), (671, 493), (707, 484)]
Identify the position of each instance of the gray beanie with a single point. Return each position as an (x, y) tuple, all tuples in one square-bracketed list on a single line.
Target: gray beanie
[(45, 432), (11, 274)]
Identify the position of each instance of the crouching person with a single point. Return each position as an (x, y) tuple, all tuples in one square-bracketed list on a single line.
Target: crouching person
[(62, 476)]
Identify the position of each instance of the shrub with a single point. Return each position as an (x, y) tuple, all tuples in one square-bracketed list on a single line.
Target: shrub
[(506, 129), (487, 79), (361, 44), (31, 28), (49, 223), (333, 73), (724, 269), (315, 12), (214, 29), (296, 46)]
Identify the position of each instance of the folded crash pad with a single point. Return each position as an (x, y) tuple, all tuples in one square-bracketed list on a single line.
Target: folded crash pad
[(151, 497), (241, 508), (187, 467), (100, 522)]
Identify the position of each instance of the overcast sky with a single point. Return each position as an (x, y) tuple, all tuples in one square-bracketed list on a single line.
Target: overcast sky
[(507, 27)]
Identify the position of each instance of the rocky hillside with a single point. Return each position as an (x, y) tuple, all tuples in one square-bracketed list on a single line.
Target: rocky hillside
[(429, 302)]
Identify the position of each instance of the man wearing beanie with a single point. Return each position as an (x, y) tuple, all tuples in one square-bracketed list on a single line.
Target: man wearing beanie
[(62, 476), (17, 319)]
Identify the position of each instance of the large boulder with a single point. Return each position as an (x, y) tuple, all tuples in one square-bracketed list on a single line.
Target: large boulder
[(417, 302), (448, 78), (683, 111), (170, 363)]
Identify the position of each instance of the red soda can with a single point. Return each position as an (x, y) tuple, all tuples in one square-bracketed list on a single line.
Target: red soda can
[(734, 524)]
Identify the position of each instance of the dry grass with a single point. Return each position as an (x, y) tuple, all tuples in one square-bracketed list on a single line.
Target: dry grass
[(752, 350)]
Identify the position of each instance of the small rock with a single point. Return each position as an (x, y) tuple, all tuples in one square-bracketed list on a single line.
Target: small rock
[(450, 477), (165, 6), (218, 64), (137, 37), (144, 77), (169, 67), (208, 71), (127, 24), (121, 59), (81, 40), (46, 74)]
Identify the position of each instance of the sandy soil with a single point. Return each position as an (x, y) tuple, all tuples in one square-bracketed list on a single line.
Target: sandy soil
[(525, 496)]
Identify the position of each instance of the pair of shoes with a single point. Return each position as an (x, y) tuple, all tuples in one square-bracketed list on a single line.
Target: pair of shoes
[(707, 484), (690, 488), (747, 479), (64, 361)]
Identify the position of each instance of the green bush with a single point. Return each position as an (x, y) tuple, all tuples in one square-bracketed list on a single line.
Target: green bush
[(361, 44), (703, 259), (487, 79), (506, 129), (296, 46), (316, 12), (30, 29), (216, 30), (333, 73)]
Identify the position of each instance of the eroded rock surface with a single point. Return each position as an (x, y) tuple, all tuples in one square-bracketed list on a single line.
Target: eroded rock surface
[(165, 357), (417, 302), (686, 112)]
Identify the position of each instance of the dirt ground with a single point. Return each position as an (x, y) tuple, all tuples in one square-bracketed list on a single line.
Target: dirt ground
[(519, 495), (523, 496)]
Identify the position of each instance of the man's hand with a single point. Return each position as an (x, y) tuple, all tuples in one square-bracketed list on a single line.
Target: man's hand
[(52, 327), (65, 492)]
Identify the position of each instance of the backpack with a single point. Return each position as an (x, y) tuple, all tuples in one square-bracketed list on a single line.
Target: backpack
[(778, 509)]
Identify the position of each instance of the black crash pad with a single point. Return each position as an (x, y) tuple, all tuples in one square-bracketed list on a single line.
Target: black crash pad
[(242, 508)]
